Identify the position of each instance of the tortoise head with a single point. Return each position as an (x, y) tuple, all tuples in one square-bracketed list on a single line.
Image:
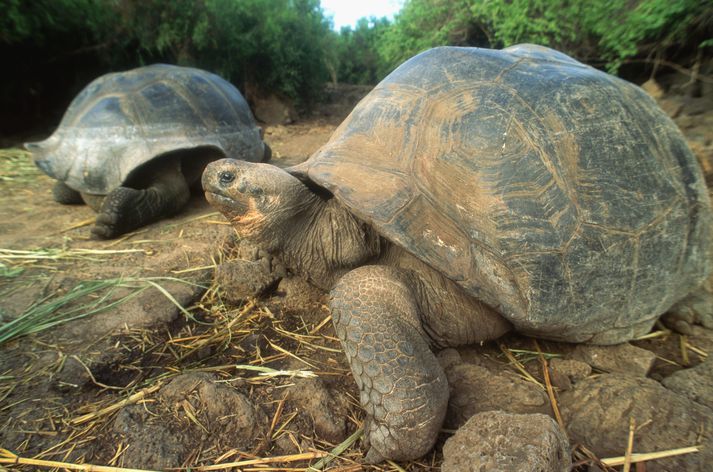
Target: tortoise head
[(42, 155), (260, 200)]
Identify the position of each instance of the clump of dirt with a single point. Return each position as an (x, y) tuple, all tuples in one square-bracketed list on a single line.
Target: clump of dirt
[(191, 370)]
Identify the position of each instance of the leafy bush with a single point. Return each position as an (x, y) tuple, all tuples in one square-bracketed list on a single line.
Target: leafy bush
[(358, 61), (275, 45), (423, 24), (608, 32)]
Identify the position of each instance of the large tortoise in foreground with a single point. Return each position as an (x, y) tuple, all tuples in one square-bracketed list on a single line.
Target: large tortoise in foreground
[(472, 192), (141, 138)]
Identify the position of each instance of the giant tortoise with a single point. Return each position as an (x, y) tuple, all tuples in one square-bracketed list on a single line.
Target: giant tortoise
[(132, 143), (472, 192)]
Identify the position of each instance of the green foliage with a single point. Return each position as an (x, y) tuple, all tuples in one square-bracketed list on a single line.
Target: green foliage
[(423, 24), (652, 27), (43, 21), (275, 45), (609, 31), (54, 47), (358, 61), (599, 31), (268, 45)]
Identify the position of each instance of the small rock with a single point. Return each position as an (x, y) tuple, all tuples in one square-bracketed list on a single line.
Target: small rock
[(475, 389), (297, 294), (671, 106), (240, 279), (327, 408), (653, 88), (573, 369), (598, 409), (621, 358), (500, 441), (273, 110), (695, 383), (228, 415), (698, 105), (153, 443)]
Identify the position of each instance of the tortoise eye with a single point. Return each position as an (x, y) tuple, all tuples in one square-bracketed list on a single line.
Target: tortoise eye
[(226, 177)]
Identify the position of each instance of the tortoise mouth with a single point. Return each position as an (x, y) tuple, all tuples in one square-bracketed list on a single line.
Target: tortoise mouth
[(225, 204)]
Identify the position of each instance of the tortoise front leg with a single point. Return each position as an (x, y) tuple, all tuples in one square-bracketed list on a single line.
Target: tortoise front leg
[(125, 209), (402, 387)]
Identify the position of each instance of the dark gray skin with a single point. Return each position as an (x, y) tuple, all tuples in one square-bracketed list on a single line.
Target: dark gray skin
[(389, 309), (125, 209)]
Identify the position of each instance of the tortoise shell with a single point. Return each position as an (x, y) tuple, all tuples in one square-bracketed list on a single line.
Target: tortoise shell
[(122, 120), (560, 195)]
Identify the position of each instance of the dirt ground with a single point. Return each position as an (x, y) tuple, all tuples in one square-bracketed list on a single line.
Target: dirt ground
[(180, 373)]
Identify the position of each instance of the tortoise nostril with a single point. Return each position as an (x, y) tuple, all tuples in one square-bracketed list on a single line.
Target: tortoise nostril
[(226, 177)]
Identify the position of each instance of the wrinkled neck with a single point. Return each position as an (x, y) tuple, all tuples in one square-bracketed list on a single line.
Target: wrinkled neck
[(326, 242)]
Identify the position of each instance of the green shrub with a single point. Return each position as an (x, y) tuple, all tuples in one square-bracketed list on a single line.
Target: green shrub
[(606, 32)]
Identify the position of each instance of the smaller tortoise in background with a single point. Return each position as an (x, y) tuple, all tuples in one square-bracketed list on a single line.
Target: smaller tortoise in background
[(475, 191), (131, 144)]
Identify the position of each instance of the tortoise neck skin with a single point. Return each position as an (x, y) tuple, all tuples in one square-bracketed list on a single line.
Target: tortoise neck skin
[(316, 237), (327, 241)]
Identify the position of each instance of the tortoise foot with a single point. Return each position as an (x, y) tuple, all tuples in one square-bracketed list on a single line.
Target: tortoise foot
[(121, 212), (695, 309)]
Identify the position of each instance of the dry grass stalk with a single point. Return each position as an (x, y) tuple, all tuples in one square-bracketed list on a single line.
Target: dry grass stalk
[(303, 340), (59, 254), (629, 445), (288, 353), (221, 334), (276, 417), (130, 235), (683, 342), (192, 269), (7, 457), (135, 398), (337, 451), (305, 456), (284, 425), (656, 334), (267, 372), (642, 457), (550, 390), (697, 350), (321, 324), (396, 466), (518, 365), (585, 457), (80, 224)]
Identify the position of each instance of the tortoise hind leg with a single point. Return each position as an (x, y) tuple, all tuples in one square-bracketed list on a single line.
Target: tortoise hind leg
[(402, 387), (62, 193), (125, 209), (267, 154), (695, 309)]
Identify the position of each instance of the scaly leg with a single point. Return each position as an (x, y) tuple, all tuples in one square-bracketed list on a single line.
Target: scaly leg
[(402, 387), (125, 209)]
